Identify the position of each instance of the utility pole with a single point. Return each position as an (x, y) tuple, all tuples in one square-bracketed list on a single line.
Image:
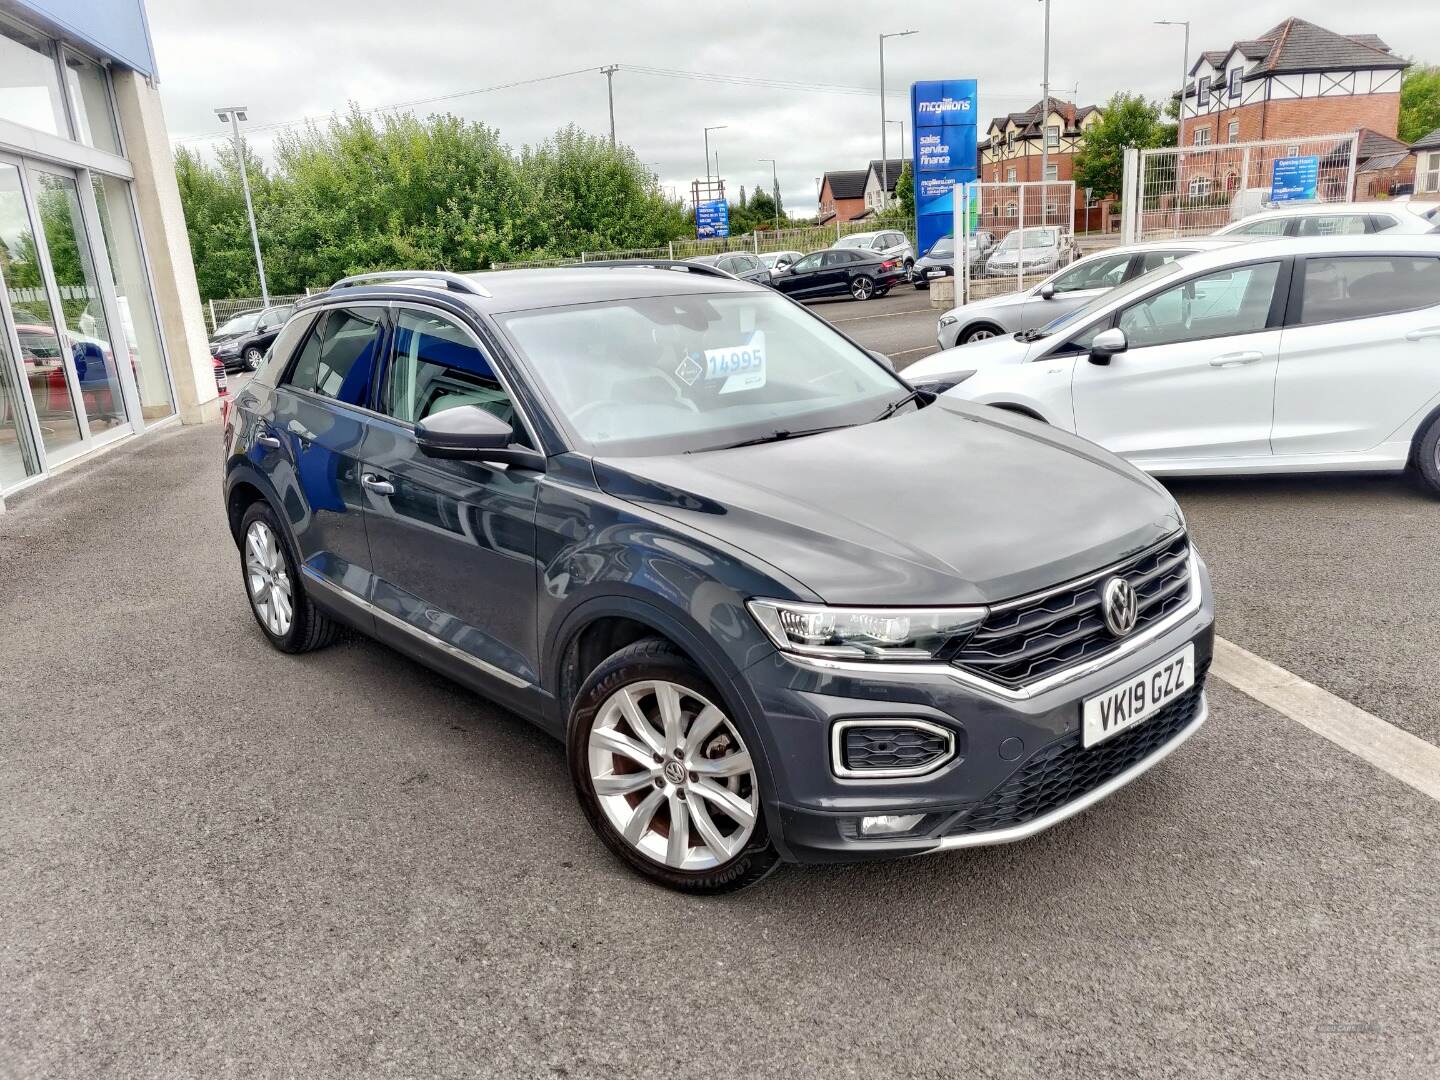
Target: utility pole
[(775, 187), (232, 115), (1179, 112), (884, 130), (609, 72), (1045, 114)]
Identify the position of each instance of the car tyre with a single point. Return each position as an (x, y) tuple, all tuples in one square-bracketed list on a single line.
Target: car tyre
[(909, 268), (282, 608), (862, 288), (636, 772), (1427, 456), (977, 333), (252, 357)]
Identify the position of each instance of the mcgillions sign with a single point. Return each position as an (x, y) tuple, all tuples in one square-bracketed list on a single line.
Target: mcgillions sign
[(943, 119)]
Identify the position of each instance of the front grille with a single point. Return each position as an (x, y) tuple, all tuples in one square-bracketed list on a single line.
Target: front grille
[(1026, 640), (882, 747), (1064, 771)]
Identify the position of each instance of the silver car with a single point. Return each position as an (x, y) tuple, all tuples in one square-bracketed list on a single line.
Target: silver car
[(1063, 292), (892, 243), (1038, 249), (777, 262)]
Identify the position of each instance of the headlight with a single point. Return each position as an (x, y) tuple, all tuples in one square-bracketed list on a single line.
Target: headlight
[(863, 633), (225, 348), (949, 320)]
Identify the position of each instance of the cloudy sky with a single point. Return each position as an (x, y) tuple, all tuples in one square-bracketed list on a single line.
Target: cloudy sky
[(291, 59)]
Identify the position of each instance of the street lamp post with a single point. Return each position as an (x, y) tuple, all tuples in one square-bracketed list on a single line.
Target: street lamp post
[(1179, 111), (884, 130), (712, 127), (232, 115), (1045, 111), (775, 181)]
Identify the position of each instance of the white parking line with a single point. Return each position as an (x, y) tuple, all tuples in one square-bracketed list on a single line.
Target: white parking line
[(885, 315), (1407, 758), (907, 352)]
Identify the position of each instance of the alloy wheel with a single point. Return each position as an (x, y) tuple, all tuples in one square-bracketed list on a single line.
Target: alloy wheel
[(268, 579), (862, 288), (979, 335), (673, 776), (253, 356)]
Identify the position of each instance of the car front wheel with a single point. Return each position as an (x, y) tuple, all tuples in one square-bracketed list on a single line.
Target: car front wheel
[(253, 355), (862, 288), (665, 776), (979, 333)]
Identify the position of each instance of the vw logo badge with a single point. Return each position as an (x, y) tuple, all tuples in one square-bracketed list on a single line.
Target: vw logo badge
[(1121, 606)]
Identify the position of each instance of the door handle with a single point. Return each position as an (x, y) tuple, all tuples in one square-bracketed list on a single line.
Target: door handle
[(269, 440), (377, 484), (1423, 333), (1235, 359)]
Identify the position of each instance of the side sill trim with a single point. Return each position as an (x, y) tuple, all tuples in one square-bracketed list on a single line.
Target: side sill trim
[(1089, 799), (346, 596)]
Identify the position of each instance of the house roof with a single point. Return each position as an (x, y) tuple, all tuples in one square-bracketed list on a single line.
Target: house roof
[(1297, 45), (1029, 121), (892, 172), (1373, 145), (847, 183), (1428, 142)]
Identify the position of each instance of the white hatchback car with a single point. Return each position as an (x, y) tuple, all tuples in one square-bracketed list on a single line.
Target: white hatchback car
[(1296, 355), (1335, 219)]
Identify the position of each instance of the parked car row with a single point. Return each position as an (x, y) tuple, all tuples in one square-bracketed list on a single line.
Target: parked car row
[(674, 519)]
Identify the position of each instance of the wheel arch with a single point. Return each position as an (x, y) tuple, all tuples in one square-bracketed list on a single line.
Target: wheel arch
[(978, 324)]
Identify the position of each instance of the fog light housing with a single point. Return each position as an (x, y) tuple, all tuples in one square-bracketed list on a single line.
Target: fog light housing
[(889, 824)]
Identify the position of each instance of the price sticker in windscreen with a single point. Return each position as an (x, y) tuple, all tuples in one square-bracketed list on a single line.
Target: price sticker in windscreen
[(741, 366)]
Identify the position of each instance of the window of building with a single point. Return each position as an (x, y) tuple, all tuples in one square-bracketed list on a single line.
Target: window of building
[(1363, 286), (1232, 133), (339, 356), (1199, 187), (1292, 150), (1010, 139), (1010, 175), (1237, 79), (1052, 172), (1010, 210), (30, 91), (1430, 176), (1052, 136), (89, 87), (1202, 136), (1202, 94)]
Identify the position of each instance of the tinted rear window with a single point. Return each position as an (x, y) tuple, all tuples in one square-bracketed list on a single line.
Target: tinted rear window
[(1363, 286)]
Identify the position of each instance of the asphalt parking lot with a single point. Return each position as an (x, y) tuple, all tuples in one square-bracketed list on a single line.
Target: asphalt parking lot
[(222, 861)]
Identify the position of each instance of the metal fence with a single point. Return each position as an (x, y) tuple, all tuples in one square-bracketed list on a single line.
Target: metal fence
[(1021, 232), (1194, 190), (806, 239), (221, 311)]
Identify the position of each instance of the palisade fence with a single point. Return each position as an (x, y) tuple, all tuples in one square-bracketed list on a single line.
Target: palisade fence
[(803, 240)]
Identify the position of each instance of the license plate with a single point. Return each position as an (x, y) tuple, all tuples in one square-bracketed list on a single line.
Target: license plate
[(934, 273), (1138, 698)]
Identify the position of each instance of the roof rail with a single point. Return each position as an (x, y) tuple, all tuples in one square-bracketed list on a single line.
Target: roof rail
[(656, 264), (453, 282)]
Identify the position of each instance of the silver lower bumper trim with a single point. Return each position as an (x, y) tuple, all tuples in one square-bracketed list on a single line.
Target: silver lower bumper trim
[(1089, 799)]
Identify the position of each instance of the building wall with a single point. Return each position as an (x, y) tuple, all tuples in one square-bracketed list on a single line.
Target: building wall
[(1299, 118), (844, 209)]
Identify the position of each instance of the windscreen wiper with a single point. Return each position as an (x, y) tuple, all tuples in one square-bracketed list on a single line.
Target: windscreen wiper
[(774, 436), (895, 406)]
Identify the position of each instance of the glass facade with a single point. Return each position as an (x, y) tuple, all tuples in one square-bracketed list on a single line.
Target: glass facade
[(82, 359)]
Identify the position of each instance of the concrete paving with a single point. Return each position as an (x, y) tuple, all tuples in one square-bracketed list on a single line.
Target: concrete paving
[(221, 861)]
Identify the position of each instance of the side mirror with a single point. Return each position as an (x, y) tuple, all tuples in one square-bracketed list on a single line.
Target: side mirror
[(470, 433), (1106, 344), (1047, 291), (880, 356)]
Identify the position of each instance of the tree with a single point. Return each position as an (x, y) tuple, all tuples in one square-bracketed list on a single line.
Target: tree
[(905, 191), (1419, 103), (1127, 120)]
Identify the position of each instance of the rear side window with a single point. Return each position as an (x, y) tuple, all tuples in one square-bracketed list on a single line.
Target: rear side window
[(281, 348), (1274, 226), (1151, 259), (1363, 286), (338, 357), (436, 366), (840, 258)]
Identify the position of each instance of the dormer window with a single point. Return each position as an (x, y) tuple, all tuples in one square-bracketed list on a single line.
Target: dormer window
[(1202, 94), (1237, 76), (1010, 139), (1052, 136)]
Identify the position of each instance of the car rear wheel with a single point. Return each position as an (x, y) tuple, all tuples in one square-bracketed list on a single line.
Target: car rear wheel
[(253, 355), (665, 776), (277, 597), (1427, 455), (862, 288), (979, 333)]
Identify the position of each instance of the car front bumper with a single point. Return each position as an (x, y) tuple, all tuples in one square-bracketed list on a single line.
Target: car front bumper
[(1014, 750)]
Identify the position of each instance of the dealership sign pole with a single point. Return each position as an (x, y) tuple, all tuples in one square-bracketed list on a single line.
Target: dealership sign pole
[(942, 116)]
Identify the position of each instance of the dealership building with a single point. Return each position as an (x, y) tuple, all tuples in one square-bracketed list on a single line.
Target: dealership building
[(101, 334)]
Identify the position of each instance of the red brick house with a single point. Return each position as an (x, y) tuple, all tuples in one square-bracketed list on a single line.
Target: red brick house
[(1294, 81), (1012, 150), (842, 195)]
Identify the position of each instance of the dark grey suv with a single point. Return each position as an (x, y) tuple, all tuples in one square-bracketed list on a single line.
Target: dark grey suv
[(675, 519)]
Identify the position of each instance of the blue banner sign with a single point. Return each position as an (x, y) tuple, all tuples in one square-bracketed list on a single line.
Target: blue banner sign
[(943, 116), (712, 219), (1294, 179)]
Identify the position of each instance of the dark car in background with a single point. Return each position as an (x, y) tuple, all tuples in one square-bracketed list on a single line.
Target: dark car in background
[(240, 343), (693, 558), (740, 264), (839, 271)]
